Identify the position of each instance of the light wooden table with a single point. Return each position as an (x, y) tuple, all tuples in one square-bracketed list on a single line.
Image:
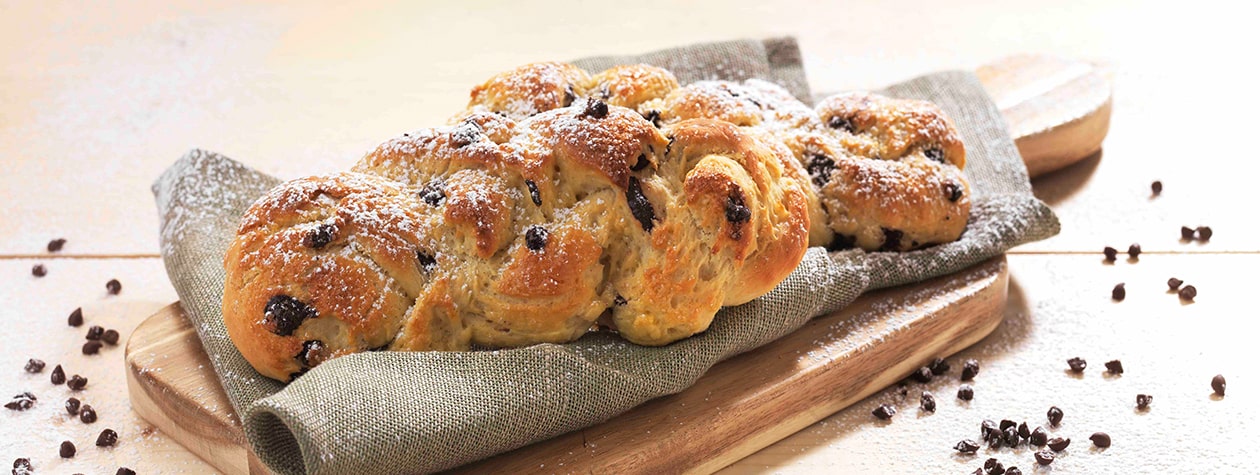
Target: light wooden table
[(96, 100)]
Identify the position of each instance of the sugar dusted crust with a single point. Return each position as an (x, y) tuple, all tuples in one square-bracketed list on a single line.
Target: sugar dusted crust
[(559, 199)]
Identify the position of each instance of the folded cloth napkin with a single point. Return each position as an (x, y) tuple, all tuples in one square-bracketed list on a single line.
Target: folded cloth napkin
[(389, 412)]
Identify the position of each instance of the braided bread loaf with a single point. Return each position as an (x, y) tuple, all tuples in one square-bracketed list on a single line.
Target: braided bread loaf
[(559, 200)]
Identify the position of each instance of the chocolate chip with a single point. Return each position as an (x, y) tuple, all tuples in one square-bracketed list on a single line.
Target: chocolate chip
[(1024, 433), (1135, 249), (1011, 437), (966, 393), (284, 314), (1218, 385), (536, 238), (1174, 283), (1055, 415), (1006, 424), (433, 192), (1188, 292), (21, 402), (1037, 437), (72, 406), (1205, 233), (1114, 367), (884, 412), (464, 134), (426, 260), (311, 354), (87, 414), (892, 239), (736, 211), (970, 369), (1013, 471), (110, 337), (1057, 444), (927, 402), (107, 438), (841, 123), (1077, 365), (922, 375), (533, 192), (934, 154), (39, 270), (953, 191), (320, 236), (113, 286), (55, 245), (95, 332), (654, 116), (841, 242), (569, 95), (1187, 233), (640, 207), (595, 108), (76, 382), (988, 429), (34, 366), (91, 347), (1100, 440), (1157, 187), (820, 168), (993, 467), (22, 466), (58, 375), (619, 300), (67, 449), (1117, 292), (125, 471), (967, 446), (641, 163), (1044, 457), (939, 366), (1143, 401), (1109, 253), (76, 317)]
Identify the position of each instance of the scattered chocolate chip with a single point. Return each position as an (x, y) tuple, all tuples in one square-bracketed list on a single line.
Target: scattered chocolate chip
[(1188, 292), (1006, 424), (284, 314), (994, 467), (21, 402), (1187, 233), (988, 429), (87, 414), (569, 95), (72, 406), (95, 332), (1218, 385), (1024, 433), (1057, 444), (939, 366), (1013, 471), (533, 192), (1100, 440), (1011, 437), (841, 123), (39, 270), (884, 412), (536, 238), (820, 168), (934, 154), (320, 236), (736, 211), (1044, 457), (91, 347), (125, 471), (640, 207), (841, 242), (927, 402), (654, 116), (464, 134), (76, 317), (76, 382), (433, 192), (892, 239), (67, 449), (1157, 187), (1077, 365), (311, 354), (953, 192), (1037, 437), (113, 286), (1114, 367), (34, 366), (427, 261), (619, 300), (1135, 250), (1205, 233), (967, 446), (110, 337), (595, 108), (107, 438), (58, 375), (641, 163), (1055, 415), (1144, 401), (55, 245), (966, 393), (1117, 292), (1109, 253), (995, 442), (922, 375), (970, 369), (1174, 283), (22, 466)]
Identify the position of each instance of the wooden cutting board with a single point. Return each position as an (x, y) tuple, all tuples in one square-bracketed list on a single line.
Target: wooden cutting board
[(1058, 111)]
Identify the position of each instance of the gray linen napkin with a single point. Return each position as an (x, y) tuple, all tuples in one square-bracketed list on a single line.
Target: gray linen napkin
[(387, 412)]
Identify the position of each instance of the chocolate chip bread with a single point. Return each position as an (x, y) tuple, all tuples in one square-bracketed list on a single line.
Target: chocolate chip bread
[(559, 200)]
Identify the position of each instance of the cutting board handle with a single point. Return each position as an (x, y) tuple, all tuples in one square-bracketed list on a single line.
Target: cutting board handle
[(1057, 110)]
